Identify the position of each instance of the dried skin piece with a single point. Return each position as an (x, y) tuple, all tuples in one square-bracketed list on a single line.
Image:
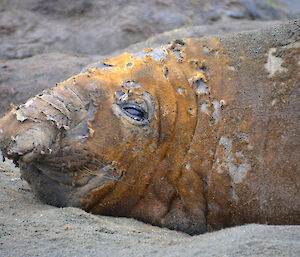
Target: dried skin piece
[(196, 135)]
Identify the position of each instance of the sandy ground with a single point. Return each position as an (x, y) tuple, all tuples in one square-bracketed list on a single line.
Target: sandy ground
[(44, 42), (31, 228)]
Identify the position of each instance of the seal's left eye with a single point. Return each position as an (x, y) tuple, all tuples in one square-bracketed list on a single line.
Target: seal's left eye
[(135, 112)]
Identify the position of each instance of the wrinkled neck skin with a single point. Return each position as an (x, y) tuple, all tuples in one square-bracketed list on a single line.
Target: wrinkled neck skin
[(150, 184), (212, 146)]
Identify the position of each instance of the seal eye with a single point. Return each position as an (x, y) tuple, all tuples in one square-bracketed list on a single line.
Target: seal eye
[(134, 111)]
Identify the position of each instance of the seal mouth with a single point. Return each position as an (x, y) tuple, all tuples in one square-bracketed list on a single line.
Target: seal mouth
[(66, 178), (59, 188)]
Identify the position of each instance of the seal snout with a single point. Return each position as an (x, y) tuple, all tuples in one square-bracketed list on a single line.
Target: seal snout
[(30, 144), (25, 140)]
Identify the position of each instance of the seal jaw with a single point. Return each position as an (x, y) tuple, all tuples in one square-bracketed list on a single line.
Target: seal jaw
[(48, 190), (57, 188)]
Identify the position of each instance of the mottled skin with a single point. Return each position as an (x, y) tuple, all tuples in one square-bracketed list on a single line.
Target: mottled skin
[(217, 144)]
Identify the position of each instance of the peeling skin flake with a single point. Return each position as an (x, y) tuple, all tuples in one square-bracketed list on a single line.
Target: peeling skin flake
[(217, 110), (156, 53), (273, 64), (20, 115), (204, 108), (236, 172)]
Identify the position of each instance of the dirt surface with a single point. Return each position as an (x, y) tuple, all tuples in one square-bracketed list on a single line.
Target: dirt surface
[(46, 41)]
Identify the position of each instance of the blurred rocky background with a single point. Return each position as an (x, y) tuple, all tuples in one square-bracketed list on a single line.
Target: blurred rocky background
[(46, 41)]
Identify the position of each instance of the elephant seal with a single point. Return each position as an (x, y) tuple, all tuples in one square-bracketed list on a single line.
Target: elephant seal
[(197, 135)]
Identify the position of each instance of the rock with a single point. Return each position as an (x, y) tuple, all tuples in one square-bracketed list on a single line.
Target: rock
[(21, 79), (224, 26), (94, 27)]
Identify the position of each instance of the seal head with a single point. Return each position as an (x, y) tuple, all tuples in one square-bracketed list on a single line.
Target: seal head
[(114, 138)]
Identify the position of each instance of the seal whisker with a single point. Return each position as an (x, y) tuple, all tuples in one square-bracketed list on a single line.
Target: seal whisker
[(118, 180), (90, 172)]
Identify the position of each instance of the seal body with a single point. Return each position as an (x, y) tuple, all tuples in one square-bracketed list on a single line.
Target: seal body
[(197, 135)]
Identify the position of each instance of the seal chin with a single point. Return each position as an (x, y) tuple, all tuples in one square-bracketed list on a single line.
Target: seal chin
[(58, 188)]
